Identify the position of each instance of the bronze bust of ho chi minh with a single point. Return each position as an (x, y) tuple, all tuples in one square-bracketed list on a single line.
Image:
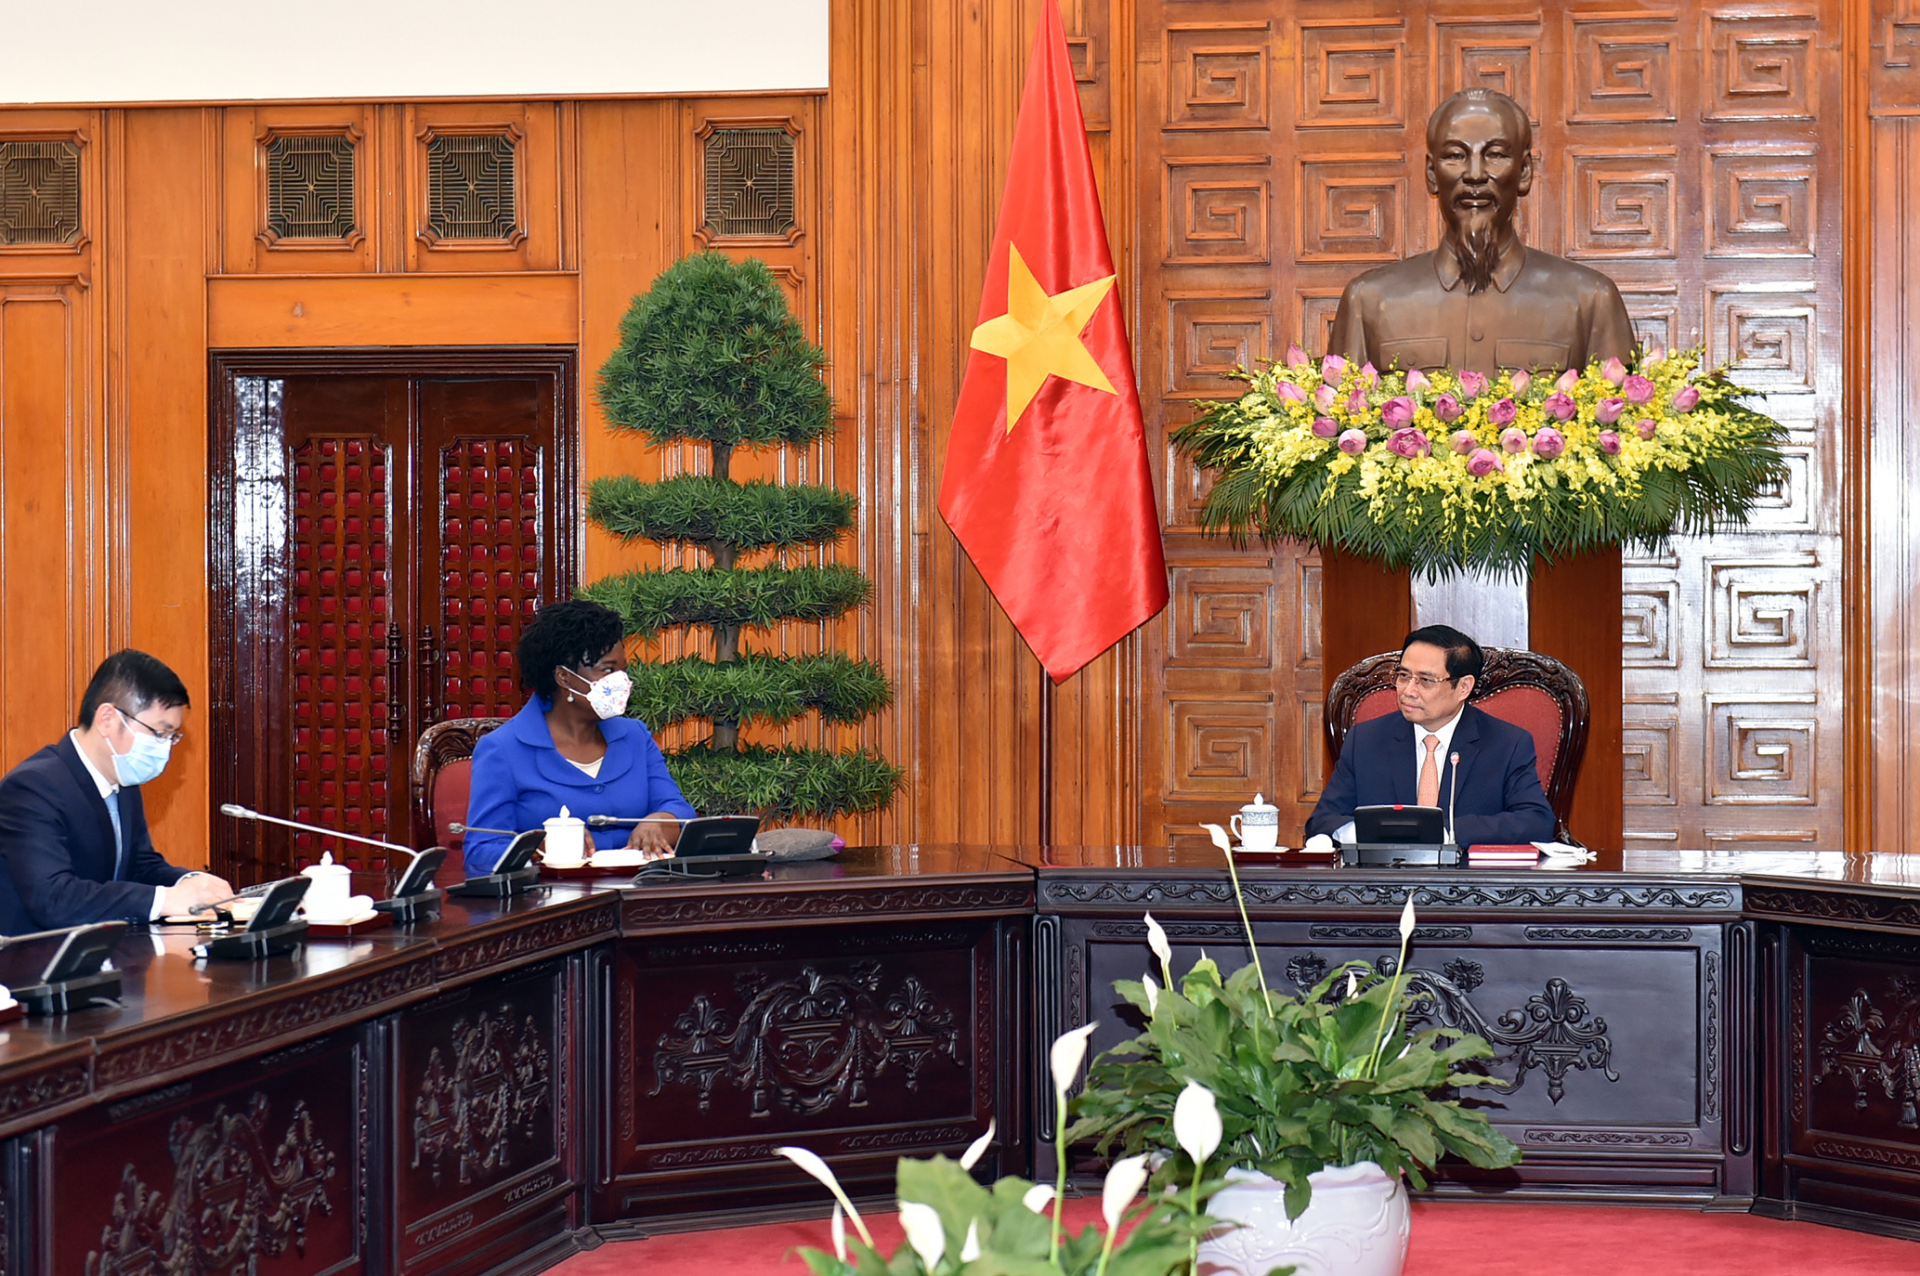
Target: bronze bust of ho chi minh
[(1482, 300)]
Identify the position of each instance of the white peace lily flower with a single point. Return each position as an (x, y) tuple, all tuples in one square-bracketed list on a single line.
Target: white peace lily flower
[(1406, 918), (812, 1164), (1196, 1122), (1069, 1051), (1124, 1182), (971, 1157), (1153, 993), (1219, 836), (839, 1229), (970, 1250), (921, 1223), (1038, 1197), (1157, 940), (1353, 985)]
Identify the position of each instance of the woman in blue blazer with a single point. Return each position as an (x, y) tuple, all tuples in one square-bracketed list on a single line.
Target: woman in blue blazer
[(571, 745)]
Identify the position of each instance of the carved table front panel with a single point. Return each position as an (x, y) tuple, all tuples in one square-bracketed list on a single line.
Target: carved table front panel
[(255, 1167), (860, 1042)]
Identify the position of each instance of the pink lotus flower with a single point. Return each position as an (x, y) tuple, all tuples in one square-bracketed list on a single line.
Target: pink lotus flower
[(1513, 439), (1567, 381), (1607, 411), (1417, 382), (1686, 398), (1397, 410), (1325, 426), (1323, 397), (1473, 384), (1646, 427), (1408, 442), (1369, 375), (1463, 442), (1296, 356), (1353, 442), (1332, 368), (1521, 380), (1549, 443), (1483, 463), (1292, 393), (1639, 389), (1356, 402), (1559, 406), (1609, 442), (1502, 413), (1447, 408), (1613, 372)]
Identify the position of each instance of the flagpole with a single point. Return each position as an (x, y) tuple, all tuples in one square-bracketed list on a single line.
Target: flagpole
[(1046, 758)]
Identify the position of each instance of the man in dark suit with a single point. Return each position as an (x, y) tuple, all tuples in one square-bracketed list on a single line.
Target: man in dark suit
[(73, 832), (1405, 758)]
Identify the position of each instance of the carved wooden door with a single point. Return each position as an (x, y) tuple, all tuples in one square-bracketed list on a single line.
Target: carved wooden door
[(393, 523), (1678, 150)]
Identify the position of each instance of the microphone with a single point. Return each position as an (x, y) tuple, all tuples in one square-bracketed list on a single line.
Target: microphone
[(461, 830), (242, 813), (1453, 761), (626, 821)]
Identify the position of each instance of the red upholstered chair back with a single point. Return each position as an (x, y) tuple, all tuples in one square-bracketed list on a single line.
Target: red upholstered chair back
[(1522, 687), (442, 772)]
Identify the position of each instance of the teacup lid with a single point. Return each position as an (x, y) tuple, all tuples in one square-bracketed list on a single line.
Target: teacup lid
[(1259, 803), (564, 819), (326, 868)]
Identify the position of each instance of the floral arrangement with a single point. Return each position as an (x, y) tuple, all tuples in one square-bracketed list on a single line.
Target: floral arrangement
[(1451, 470), (1335, 1076)]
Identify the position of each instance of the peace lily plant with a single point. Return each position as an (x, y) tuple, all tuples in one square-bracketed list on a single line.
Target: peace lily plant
[(955, 1225), (1335, 1076)]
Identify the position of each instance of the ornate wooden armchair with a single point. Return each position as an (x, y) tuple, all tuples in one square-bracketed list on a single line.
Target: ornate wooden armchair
[(1522, 687), (442, 771)]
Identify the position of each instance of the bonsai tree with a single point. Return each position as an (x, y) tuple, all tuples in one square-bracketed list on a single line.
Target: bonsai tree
[(712, 353)]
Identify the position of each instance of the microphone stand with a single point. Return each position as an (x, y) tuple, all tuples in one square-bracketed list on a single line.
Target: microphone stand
[(1453, 794), (415, 897)]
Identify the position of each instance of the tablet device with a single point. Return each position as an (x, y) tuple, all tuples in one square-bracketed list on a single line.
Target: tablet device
[(1373, 825), (710, 835)]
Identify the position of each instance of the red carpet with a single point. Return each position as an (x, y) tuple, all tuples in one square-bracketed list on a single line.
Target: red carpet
[(1467, 1239)]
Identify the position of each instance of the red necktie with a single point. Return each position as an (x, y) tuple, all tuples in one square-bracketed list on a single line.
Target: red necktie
[(1430, 774)]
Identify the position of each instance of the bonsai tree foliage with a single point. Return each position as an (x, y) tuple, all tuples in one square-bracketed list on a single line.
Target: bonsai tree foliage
[(711, 353)]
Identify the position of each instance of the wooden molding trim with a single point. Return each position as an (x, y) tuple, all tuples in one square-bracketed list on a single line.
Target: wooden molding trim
[(305, 311)]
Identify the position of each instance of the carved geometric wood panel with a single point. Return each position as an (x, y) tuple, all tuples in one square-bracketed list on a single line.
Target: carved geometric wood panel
[(39, 191), (1352, 76), (1316, 308), (1649, 743), (1760, 201), (1217, 210), (1622, 67), (471, 186), (1646, 624), (1761, 749), (1762, 66), (1794, 503), (1766, 333), (1220, 748), (1488, 53), (748, 189), (1353, 210), (1220, 618), (1209, 336), (1655, 314), (1217, 75), (310, 186), (1623, 202), (1763, 612)]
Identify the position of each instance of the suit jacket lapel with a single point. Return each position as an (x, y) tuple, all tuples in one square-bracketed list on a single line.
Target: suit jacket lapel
[(1466, 738), (1406, 775)]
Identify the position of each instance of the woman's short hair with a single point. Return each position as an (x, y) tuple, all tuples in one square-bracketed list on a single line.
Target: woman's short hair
[(565, 634)]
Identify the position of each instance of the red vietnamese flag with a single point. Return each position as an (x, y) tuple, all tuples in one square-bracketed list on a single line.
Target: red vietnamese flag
[(1047, 483)]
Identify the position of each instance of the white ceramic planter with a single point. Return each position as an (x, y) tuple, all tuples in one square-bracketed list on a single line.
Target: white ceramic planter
[(1356, 1225)]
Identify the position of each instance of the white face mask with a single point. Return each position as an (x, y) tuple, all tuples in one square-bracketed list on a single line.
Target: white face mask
[(146, 755), (608, 697)]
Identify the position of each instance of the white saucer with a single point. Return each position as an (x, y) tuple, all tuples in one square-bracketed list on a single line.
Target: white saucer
[(618, 859), (353, 919)]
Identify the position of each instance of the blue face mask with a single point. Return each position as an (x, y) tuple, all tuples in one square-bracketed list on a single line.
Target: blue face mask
[(144, 759)]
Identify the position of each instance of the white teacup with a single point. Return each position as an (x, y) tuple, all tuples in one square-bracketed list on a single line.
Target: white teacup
[(566, 844), (1257, 825)]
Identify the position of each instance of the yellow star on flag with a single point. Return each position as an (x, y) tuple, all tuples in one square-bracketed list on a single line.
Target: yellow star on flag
[(1039, 336)]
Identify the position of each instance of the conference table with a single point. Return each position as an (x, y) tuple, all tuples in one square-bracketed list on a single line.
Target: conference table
[(514, 1080)]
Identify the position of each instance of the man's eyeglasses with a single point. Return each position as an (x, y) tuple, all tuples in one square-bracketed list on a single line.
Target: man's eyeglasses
[(171, 737), (1425, 681)]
